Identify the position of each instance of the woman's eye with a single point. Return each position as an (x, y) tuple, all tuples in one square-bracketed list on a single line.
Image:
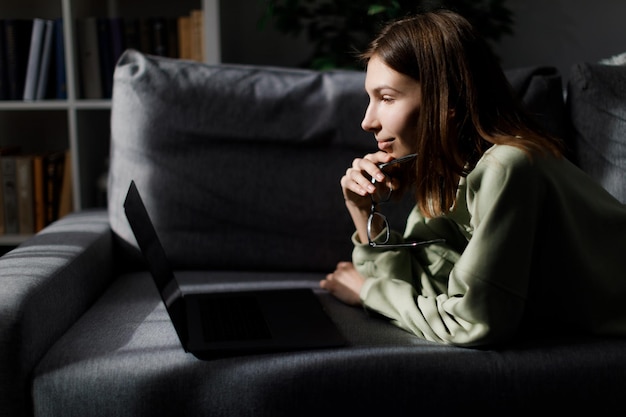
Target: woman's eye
[(386, 99)]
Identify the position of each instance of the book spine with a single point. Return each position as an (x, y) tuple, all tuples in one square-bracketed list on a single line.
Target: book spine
[(34, 59), (172, 36), (197, 37), (44, 68), (11, 224), (184, 37), (4, 91), (105, 49), (11, 59), (117, 37), (39, 196), (53, 179), (131, 33), (59, 48), (145, 35), (89, 56), (65, 193), (24, 186), (17, 38), (159, 37)]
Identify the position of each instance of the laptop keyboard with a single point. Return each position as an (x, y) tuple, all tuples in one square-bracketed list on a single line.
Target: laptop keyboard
[(232, 318)]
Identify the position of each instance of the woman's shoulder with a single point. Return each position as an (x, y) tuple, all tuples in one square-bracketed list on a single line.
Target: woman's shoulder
[(504, 161), (509, 167), (506, 154)]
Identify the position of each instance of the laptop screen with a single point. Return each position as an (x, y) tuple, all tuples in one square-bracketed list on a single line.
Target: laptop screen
[(150, 246)]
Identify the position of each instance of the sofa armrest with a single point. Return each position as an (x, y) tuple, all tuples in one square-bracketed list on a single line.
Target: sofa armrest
[(45, 285)]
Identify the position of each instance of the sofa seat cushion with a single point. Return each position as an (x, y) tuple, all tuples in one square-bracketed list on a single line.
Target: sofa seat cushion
[(123, 358)]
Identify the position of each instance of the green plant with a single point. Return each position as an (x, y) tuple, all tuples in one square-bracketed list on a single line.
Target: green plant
[(339, 29)]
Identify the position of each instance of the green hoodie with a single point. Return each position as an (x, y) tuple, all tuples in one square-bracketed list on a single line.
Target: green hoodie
[(531, 241)]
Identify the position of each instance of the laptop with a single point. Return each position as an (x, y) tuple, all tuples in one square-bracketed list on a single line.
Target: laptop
[(218, 324)]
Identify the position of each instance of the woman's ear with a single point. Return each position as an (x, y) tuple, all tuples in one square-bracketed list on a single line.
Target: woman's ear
[(451, 113)]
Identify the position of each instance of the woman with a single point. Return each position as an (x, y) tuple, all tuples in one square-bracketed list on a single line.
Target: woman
[(518, 240)]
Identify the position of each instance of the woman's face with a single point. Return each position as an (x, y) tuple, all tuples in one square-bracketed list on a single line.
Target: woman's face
[(393, 109)]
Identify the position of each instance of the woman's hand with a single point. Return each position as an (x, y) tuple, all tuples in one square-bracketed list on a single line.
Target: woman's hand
[(357, 181), (357, 187), (345, 283)]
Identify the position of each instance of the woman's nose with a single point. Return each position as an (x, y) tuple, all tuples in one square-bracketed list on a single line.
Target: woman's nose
[(370, 123)]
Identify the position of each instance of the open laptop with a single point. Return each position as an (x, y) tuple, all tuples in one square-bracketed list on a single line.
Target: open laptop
[(211, 325)]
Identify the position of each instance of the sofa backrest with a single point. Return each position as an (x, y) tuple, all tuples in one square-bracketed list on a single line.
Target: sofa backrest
[(240, 165), (596, 97)]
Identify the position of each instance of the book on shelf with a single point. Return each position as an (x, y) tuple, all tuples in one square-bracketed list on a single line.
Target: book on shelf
[(165, 36), (36, 190), (89, 58), (130, 33), (44, 71), (4, 92), (171, 37), (38, 67), (53, 180), (117, 38), (8, 206), (38, 193), (32, 59), (197, 35), (32, 51), (105, 52), (101, 41), (145, 35), (66, 204), (17, 34), (184, 37), (60, 91), (9, 191), (24, 188), (159, 37)]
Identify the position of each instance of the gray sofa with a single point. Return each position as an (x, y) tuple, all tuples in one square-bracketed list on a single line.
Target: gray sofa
[(240, 168)]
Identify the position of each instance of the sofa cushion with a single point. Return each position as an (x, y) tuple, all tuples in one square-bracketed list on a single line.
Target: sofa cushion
[(597, 104), (123, 358), (243, 162), (541, 90), (236, 162)]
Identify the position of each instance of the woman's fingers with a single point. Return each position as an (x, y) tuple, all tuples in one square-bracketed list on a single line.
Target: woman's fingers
[(354, 180), (345, 283), (358, 178)]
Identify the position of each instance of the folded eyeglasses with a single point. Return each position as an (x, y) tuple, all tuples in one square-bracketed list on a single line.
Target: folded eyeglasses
[(383, 193)]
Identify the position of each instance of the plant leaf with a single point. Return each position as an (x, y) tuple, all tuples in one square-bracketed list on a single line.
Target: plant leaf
[(375, 9)]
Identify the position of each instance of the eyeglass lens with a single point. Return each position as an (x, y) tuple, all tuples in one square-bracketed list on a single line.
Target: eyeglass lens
[(385, 226)]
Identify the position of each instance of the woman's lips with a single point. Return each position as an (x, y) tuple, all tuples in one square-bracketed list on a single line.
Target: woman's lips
[(385, 145)]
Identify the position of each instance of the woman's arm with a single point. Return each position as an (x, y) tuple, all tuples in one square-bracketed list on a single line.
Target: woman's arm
[(345, 282)]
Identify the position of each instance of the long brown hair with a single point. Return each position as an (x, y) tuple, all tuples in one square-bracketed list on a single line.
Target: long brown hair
[(463, 83)]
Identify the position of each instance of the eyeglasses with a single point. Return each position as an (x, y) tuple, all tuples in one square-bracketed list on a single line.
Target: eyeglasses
[(384, 190)]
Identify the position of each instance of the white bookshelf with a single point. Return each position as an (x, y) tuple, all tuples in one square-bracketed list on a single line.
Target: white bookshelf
[(81, 125)]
